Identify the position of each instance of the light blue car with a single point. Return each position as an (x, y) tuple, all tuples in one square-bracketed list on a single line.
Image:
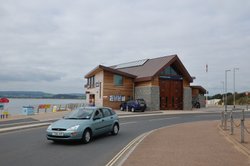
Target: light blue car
[(83, 124)]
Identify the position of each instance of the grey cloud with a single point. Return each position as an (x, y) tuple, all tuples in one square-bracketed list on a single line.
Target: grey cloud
[(33, 75), (61, 40)]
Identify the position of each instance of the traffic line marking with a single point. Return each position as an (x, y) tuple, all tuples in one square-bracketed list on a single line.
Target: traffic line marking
[(23, 127), (127, 123), (127, 150), (133, 143), (158, 119)]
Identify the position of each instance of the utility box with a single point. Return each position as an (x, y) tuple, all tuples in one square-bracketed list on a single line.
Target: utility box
[(28, 110)]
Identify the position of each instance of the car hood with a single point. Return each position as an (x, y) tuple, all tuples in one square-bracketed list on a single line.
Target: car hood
[(67, 123)]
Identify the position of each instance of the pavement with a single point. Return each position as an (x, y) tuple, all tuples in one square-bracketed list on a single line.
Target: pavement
[(195, 144), (189, 144)]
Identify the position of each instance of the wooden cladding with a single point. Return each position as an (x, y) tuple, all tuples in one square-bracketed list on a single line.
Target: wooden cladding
[(195, 92), (109, 89), (186, 83), (153, 82)]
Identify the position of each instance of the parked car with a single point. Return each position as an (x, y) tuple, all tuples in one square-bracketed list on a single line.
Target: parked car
[(83, 124), (134, 105)]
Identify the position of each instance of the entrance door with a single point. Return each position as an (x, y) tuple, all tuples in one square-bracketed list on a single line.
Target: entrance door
[(171, 94), (92, 100)]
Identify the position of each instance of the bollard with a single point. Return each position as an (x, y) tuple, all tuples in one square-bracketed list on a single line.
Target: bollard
[(242, 131), (243, 114), (242, 140), (222, 119), (225, 121), (232, 124)]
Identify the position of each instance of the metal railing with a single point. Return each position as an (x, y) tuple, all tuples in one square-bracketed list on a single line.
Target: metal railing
[(234, 124)]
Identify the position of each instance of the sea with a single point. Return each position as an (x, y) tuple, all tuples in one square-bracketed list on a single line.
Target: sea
[(15, 106)]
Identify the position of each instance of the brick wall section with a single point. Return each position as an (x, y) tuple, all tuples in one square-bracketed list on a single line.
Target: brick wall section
[(187, 98), (150, 94)]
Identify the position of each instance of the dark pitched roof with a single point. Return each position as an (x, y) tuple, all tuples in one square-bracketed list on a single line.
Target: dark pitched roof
[(144, 70), (153, 67)]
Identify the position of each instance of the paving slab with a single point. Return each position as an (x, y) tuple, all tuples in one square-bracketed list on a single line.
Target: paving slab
[(189, 144)]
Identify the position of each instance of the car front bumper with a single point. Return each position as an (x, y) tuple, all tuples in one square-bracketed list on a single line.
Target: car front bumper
[(64, 135)]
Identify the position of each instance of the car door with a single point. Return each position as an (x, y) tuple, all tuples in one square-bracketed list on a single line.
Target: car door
[(98, 123), (108, 119)]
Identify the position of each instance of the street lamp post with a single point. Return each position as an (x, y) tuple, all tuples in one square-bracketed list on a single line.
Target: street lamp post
[(226, 89), (223, 91), (234, 83), (225, 114)]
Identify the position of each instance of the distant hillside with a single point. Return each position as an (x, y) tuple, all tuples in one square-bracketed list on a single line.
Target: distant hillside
[(69, 96), (38, 94)]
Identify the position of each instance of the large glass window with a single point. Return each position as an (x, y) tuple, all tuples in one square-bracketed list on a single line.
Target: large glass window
[(169, 71), (118, 80)]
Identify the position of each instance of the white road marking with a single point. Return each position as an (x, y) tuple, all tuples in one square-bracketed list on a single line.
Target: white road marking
[(127, 149), (23, 127), (127, 123), (158, 119)]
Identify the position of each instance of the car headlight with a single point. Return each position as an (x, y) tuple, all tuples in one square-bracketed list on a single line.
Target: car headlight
[(49, 128), (73, 128)]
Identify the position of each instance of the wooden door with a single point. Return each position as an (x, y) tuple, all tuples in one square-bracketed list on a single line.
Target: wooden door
[(171, 94)]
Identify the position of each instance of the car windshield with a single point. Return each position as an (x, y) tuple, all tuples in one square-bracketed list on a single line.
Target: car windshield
[(80, 113)]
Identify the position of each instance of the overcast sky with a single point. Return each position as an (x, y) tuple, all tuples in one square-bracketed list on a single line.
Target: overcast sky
[(49, 45)]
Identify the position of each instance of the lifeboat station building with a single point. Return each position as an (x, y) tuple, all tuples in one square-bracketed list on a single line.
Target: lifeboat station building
[(164, 83)]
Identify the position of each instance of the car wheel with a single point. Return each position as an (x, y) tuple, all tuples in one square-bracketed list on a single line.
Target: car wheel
[(115, 129), (86, 136), (132, 109)]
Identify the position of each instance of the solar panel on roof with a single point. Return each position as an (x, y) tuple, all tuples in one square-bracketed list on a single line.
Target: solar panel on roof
[(131, 64)]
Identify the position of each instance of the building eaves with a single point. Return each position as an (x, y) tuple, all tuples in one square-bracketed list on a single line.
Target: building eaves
[(201, 89), (101, 67)]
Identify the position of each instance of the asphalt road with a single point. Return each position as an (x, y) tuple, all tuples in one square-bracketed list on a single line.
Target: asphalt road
[(30, 146)]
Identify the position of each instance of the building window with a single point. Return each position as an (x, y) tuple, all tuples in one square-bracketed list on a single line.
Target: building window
[(118, 80), (91, 82), (169, 71)]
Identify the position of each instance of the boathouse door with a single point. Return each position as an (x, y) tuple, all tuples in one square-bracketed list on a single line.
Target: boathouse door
[(171, 94)]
